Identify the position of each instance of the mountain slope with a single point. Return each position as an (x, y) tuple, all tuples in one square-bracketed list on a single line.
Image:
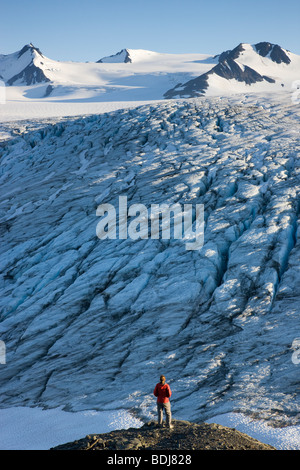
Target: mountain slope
[(262, 67), (91, 324)]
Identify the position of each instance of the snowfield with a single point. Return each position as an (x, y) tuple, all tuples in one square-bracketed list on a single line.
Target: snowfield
[(90, 324)]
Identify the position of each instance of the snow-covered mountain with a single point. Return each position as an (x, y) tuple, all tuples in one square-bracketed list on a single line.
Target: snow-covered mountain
[(90, 324), (119, 57), (260, 67), (25, 67), (141, 75), (130, 55)]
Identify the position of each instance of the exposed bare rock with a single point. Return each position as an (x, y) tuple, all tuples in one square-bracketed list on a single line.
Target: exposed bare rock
[(184, 436)]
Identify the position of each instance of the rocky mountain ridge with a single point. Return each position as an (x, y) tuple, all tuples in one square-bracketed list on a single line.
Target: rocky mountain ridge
[(184, 436)]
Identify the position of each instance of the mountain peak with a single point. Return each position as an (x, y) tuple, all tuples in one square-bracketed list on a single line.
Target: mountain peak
[(129, 56), (231, 53), (275, 52), (29, 47), (25, 67), (122, 56)]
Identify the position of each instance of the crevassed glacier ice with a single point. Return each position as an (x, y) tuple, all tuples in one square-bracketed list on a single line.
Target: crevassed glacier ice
[(91, 324)]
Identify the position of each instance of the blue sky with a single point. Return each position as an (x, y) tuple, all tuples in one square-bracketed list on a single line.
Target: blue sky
[(87, 30)]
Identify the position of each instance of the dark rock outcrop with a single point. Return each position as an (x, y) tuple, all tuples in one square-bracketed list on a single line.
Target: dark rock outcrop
[(231, 54), (227, 69), (184, 436), (29, 76), (277, 54)]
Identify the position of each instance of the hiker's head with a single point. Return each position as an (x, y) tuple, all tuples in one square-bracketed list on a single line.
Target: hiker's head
[(162, 379)]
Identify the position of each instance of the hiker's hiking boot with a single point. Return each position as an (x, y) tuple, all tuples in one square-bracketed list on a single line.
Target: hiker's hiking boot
[(168, 426)]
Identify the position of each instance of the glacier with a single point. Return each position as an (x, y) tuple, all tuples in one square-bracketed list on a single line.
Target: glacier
[(90, 324)]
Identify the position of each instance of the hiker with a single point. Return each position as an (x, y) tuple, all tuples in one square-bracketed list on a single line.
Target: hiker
[(163, 393)]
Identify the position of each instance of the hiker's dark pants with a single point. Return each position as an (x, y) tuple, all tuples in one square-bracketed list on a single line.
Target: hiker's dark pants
[(160, 411)]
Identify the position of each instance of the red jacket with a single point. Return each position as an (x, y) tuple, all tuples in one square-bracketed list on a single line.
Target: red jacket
[(162, 392)]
